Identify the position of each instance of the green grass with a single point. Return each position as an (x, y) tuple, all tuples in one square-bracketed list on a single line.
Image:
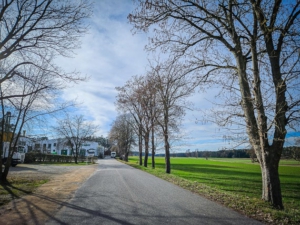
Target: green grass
[(235, 183), (18, 187)]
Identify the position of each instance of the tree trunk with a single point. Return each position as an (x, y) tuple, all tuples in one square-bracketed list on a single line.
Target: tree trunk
[(271, 189), (167, 150), (126, 156), (167, 156), (6, 170), (153, 147), (146, 148), (166, 137), (76, 156), (268, 156), (1, 152), (140, 146)]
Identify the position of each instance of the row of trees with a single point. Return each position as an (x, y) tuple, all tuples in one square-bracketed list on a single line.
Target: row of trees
[(152, 106), (249, 49), (291, 152), (33, 34)]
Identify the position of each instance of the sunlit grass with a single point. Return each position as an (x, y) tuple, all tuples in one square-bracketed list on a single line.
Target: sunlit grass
[(235, 183), (18, 187)]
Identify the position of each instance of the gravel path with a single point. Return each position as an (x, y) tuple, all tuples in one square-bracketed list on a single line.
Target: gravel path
[(36, 208)]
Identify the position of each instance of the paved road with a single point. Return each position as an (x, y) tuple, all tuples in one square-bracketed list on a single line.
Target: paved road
[(119, 194)]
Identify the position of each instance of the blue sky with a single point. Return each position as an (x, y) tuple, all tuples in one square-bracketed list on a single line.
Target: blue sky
[(110, 54)]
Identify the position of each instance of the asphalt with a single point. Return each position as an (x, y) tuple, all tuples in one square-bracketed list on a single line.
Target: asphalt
[(119, 194)]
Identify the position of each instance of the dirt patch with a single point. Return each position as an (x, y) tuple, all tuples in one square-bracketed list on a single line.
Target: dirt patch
[(42, 205)]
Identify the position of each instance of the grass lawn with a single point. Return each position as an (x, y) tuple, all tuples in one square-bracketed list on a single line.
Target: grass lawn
[(18, 187), (235, 183)]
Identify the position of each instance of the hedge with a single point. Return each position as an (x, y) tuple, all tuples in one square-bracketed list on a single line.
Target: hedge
[(32, 157)]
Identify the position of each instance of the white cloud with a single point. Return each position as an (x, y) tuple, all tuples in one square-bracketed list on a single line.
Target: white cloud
[(109, 56)]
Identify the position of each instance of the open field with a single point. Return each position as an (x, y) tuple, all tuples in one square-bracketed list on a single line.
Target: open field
[(235, 183)]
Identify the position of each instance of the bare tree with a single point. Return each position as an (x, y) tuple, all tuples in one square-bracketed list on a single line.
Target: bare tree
[(150, 108), (172, 86), (129, 101), (75, 130), (35, 103), (123, 134), (250, 49)]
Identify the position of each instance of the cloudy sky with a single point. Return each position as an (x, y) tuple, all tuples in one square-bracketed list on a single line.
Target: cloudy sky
[(110, 54)]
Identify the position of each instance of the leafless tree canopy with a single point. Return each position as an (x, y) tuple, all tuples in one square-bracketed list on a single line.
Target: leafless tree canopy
[(157, 99), (32, 26), (35, 31)]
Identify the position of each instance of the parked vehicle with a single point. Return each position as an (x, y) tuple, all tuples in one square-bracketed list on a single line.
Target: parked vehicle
[(90, 153), (113, 154), (16, 158)]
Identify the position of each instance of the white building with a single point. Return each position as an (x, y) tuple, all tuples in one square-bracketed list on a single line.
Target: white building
[(56, 146)]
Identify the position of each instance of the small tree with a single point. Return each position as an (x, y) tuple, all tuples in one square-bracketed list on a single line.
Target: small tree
[(206, 154), (75, 130)]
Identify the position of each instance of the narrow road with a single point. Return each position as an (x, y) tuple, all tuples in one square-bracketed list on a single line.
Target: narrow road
[(120, 194)]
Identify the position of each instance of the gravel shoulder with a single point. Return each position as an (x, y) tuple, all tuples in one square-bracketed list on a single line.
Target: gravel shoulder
[(40, 206)]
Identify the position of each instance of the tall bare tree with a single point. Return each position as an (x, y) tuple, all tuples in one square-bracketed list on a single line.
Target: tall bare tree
[(138, 97), (129, 101), (249, 48), (151, 110), (172, 86), (36, 101)]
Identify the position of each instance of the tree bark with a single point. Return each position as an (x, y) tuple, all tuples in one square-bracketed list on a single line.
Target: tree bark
[(153, 147), (268, 156), (167, 155), (140, 146), (75, 156), (146, 148), (6, 170), (167, 145), (271, 189)]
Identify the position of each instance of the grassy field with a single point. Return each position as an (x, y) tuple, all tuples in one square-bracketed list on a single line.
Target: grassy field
[(235, 183)]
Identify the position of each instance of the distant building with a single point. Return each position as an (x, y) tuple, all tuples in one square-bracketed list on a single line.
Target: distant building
[(58, 146)]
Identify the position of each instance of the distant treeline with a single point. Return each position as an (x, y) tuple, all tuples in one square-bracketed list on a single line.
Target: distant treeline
[(292, 152)]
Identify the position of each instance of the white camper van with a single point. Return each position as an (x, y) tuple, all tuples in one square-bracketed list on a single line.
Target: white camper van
[(16, 158), (113, 154)]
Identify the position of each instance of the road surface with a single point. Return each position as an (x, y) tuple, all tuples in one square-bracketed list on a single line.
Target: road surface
[(119, 194)]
